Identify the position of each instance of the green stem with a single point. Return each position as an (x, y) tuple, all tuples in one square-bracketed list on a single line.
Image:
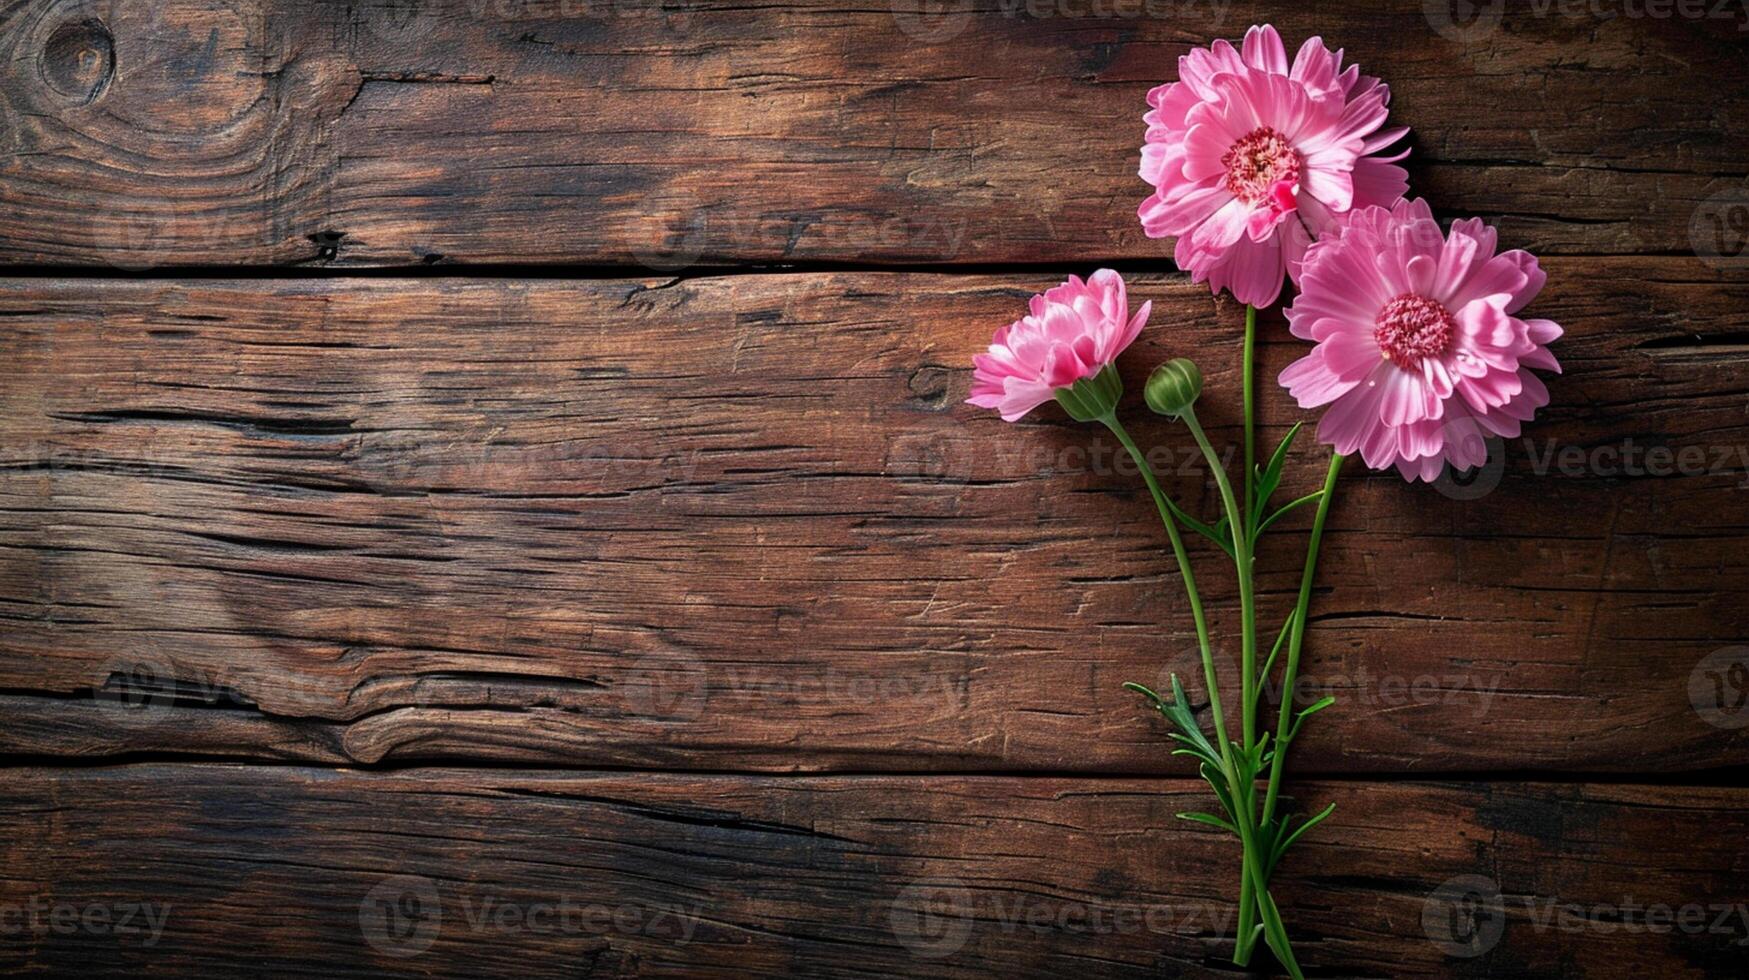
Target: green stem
[(1243, 795), (1296, 635), (1242, 562), (1275, 932), (1246, 941), (1184, 571), (1250, 411)]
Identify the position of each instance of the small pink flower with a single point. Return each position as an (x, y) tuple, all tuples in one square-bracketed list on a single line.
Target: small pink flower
[(1072, 332), (1419, 354), (1251, 158)]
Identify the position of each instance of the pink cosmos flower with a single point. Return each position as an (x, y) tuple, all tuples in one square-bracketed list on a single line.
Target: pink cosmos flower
[(1420, 354), (1251, 158), (1072, 332)]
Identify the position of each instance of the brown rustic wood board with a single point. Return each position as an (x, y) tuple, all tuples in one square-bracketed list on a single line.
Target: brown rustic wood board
[(485, 489)]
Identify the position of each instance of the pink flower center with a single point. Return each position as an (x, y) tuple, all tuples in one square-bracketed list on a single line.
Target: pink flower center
[(1413, 327), (1261, 161)]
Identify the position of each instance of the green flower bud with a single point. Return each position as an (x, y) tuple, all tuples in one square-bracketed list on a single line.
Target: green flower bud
[(1173, 387)]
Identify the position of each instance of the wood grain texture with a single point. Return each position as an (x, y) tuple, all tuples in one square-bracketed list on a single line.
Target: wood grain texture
[(746, 522), (401, 132), (301, 872)]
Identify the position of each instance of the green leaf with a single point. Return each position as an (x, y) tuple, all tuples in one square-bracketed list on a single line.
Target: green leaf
[(1300, 719), (1284, 841), (1144, 691), (1211, 820), (1271, 475), (1212, 533), (1263, 675), (1278, 515), (1177, 711), (1211, 775)]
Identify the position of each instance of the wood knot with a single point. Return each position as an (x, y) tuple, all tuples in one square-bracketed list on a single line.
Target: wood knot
[(78, 60)]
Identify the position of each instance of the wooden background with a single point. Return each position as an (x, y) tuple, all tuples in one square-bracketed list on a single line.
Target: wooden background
[(460, 456)]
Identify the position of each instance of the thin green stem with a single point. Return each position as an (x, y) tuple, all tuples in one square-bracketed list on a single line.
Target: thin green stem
[(1296, 635), (1250, 882), (1250, 410), (1184, 571), (1242, 952), (1242, 562)]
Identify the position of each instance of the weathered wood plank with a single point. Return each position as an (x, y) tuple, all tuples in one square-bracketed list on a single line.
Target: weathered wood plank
[(746, 522), (628, 131), (299, 872)]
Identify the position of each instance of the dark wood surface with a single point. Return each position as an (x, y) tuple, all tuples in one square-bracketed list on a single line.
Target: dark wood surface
[(403, 132), (625, 542), (957, 876), (746, 522)]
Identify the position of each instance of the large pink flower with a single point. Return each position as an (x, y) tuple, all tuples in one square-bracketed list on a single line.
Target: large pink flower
[(1420, 354), (1251, 158), (1072, 332)]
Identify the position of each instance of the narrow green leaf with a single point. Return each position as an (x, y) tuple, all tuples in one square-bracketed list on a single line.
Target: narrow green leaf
[(1144, 691), (1284, 842), (1274, 651), (1211, 820), (1212, 533), (1286, 509), (1271, 476), (1300, 719)]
